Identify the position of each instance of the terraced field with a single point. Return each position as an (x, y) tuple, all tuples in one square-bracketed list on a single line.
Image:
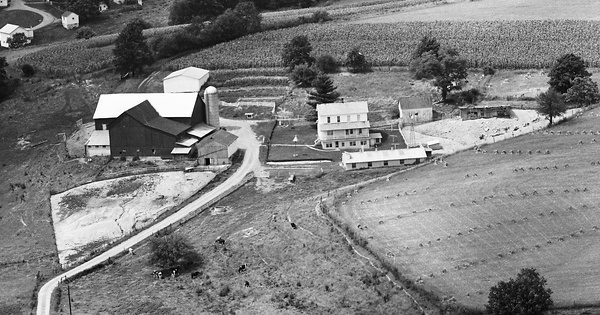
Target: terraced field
[(461, 228)]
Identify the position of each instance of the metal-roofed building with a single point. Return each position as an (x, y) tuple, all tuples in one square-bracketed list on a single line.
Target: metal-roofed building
[(188, 80), (345, 125), (383, 158)]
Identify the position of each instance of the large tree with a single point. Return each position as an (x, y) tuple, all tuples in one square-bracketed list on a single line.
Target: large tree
[(18, 40), (86, 9), (525, 295), (323, 91), (182, 11), (565, 70), (427, 44), (584, 92), (447, 69), (356, 61), (551, 104), (242, 20), (6, 84), (173, 250), (303, 75), (131, 53), (296, 52)]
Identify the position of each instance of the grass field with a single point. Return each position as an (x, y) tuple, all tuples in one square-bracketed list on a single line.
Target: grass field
[(20, 17), (491, 10), (460, 229)]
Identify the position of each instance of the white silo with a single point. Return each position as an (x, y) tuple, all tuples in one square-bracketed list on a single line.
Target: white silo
[(211, 99)]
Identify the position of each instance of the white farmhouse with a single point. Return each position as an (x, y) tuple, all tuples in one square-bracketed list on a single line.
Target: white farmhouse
[(9, 30), (70, 20), (185, 80), (345, 125)]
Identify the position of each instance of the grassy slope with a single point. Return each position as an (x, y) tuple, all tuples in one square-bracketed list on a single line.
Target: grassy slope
[(457, 204), (19, 17)]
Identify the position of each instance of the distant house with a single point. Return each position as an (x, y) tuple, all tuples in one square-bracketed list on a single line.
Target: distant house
[(216, 149), (190, 79), (9, 30), (415, 109), (345, 125), (102, 7), (383, 158), (476, 112), (70, 20), (3, 3)]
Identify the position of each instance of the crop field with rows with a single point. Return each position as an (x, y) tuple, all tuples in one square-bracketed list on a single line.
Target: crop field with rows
[(500, 44), (459, 228)]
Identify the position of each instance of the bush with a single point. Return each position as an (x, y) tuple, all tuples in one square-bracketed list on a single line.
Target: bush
[(487, 70), (303, 75), (28, 70), (85, 33), (327, 64), (320, 16), (471, 96)]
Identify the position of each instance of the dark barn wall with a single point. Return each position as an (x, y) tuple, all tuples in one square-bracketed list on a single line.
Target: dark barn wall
[(128, 134), (199, 113), (99, 122)]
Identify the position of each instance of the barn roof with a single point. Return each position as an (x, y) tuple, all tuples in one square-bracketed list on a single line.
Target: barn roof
[(221, 136), (415, 102), (189, 72), (9, 28), (148, 116), (332, 109), (171, 105), (384, 155)]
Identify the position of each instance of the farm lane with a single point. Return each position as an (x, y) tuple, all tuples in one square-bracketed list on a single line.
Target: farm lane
[(47, 17), (247, 140)]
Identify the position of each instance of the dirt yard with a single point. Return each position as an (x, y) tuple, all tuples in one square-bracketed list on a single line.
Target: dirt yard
[(89, 216)]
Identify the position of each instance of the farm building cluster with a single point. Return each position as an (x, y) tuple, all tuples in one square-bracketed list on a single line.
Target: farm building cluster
[(176, 124)]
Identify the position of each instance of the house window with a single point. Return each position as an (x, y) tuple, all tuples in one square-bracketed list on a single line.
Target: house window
[(349, 131), (385, 163), (369, 164), (328, 119), (339, 119), (104, 146), (328, 145), (348, 118), (343, 144), (360, 131), (401, 161), (363, 142), (352, 143), (330, 132), (353, 165), (153, 151)]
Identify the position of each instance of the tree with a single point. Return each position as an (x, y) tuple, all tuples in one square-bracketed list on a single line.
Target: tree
[(18, 40), (131, 53), (356, 61), (565, 70), (426, 45), (28, 70), (242, 20), (446, 67), (173, 250), (323, 91), (327, 64), (86, 9), (551, 104), (182, 11), (296, 52), (525, 295), (85, 33), (311, 115), (303, 75), (584, 92), (251, 18), (6, 84)]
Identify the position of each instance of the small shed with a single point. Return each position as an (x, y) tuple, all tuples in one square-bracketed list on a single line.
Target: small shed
[(3, 3), (415, 109), (217, 148), (70, 20), (9, 30), (190, 79), (383, 158), (476, 112), (98, 144)]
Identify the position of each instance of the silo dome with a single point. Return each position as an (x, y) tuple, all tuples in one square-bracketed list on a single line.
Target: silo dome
[(210, 90)]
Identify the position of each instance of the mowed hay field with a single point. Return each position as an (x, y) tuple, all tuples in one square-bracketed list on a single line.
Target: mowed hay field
[(462, 228), (491, 10)]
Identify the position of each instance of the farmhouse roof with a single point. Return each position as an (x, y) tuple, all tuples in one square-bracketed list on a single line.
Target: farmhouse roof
[(384, 155), (99, 137), (189, 72), (332, 109), (171, 105), (221, 136), (9, 28), (148, 116), (415, 102), (67, 13), (345, 125)]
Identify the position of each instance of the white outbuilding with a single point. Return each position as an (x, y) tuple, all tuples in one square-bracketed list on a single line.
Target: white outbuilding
[(70, 20), (190, 79), (9, 30), (3, 3)]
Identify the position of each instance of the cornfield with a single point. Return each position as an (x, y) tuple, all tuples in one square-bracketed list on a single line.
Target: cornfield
[(500, 44)]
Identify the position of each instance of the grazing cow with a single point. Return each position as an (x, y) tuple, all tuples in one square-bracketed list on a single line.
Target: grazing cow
[(220, 241), (195, 274), (537, 246), (169, 272), (131, 251), (500, 256), (420, 244), (246, 284), (549, 242), (242, 268), (294, 226)]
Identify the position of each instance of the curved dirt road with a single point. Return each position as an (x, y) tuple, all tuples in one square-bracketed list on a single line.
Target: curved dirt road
[(47, 17), (251, 163)]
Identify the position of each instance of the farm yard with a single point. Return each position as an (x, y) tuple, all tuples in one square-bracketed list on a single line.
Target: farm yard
[(460, 225)]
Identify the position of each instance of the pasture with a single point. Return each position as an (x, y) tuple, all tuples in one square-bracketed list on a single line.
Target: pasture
[(461, 228), (490, 10)]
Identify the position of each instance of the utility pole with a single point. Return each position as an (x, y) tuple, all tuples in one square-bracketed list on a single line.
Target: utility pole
[(69, 297)]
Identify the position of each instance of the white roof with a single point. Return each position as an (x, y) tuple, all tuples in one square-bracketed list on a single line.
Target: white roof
[(181, 150), (9, 28), (200, 130), (190, 72), (168, 105), (188, 142), (332, 109), (384, 155), (99, 137)]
